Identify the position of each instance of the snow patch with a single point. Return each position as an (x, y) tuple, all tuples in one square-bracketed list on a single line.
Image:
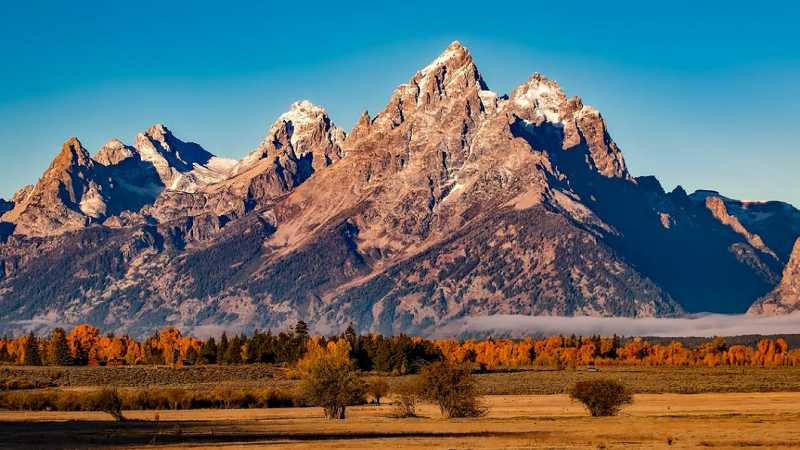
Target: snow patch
[(544, 99), (92, 203)]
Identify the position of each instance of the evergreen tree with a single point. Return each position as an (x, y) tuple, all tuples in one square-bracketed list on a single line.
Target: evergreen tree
[(350, 334), (208, 352), (222, 349), (32, 355), (4, 356), (301, 330), (233, 355), (59, 349)]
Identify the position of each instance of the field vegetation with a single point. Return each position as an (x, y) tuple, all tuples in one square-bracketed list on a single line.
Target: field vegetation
[(268, 390), (661, 421)]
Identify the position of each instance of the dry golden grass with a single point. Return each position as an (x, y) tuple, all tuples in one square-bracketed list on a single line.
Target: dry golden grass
[(724, 421)]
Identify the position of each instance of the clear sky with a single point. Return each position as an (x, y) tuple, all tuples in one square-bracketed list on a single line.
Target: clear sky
[(701, 94)]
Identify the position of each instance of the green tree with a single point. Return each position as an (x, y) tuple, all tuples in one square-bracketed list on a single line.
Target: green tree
[(222, 349), (32, 356), (451, 387), (60, 354), (208, 352), (329, 378)]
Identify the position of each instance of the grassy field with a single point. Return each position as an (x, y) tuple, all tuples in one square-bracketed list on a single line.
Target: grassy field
[(727, 420), (696, 407)]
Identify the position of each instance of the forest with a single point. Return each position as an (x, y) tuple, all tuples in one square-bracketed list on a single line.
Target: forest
[(396, 355)]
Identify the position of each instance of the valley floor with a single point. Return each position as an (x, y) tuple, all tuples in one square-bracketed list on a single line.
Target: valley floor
[(711, 420)]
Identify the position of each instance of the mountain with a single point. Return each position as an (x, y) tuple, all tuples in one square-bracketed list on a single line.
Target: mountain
[(78, 190), (452, 201), (770, 226), (785, 298)]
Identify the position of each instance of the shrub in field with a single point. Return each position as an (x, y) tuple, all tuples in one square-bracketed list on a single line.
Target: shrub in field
[(453, 388), (109, 401), (329, 378), (13, 384), (601, 397), (406, 396), (377, 389)]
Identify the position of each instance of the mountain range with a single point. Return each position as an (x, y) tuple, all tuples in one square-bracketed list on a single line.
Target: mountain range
[(453, 201)]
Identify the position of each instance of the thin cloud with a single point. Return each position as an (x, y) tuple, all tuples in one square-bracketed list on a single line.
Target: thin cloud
[(700, 325)]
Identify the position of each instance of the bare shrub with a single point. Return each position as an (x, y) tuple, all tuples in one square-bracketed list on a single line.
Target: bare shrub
[(109, 401), (453, 388), (406, 397), (603, 397)]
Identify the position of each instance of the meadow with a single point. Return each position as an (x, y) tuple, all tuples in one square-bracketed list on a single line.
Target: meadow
[(691, 407), (727, 420)]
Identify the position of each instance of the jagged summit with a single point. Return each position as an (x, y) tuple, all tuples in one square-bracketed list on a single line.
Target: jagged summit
[(72, 154), (304, 137), (114, 152), (454, 58)]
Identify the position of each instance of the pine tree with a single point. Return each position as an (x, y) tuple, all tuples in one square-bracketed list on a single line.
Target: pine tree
[(59, 349), (222, 349), (208, 352), (350, 334), (301, 330), (32, 355)]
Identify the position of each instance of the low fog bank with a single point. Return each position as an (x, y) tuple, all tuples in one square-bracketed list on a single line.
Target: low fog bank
[(697, 325)]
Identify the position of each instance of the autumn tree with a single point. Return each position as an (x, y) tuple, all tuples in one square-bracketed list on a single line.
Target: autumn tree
[(169, 344), (452, 388), (377, 389), (83, 341), (329, 378)]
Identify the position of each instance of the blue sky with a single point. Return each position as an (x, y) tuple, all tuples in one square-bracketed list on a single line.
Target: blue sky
[(705, 96)]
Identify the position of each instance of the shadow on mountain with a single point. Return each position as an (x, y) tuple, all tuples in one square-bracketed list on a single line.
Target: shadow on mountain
[(6, 230), (691, 257)]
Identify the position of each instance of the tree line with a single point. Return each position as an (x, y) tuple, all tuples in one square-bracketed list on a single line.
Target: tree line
[(84, 344)]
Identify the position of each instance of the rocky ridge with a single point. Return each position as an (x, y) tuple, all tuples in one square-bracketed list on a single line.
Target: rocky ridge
[(785, 298)]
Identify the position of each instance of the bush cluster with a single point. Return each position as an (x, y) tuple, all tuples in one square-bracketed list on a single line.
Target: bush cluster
[(13, 384), (149, 399)]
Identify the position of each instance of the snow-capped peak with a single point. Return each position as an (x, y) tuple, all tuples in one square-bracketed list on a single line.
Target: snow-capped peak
[(300, 115), (542, 95), (454, 51)]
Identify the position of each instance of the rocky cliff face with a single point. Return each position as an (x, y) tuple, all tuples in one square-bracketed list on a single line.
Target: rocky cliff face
[(71, 194), (77, 190), (452, 201), (785, 298)]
